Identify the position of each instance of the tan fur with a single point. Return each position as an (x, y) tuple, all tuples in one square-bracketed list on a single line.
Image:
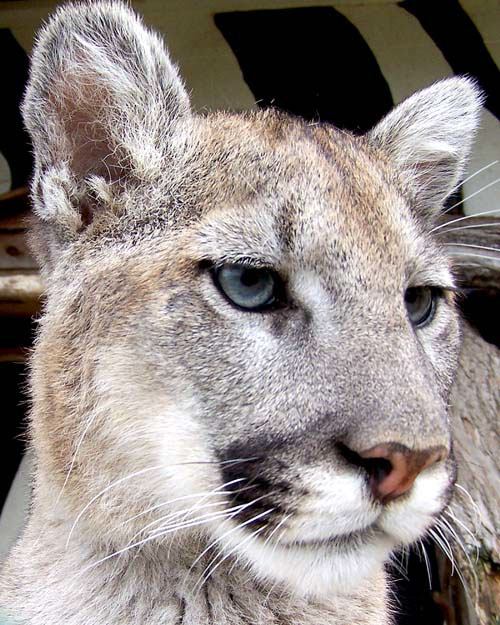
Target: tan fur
[(151, 391)]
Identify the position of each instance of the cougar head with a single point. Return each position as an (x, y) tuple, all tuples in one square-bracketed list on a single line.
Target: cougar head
[(250, 330)]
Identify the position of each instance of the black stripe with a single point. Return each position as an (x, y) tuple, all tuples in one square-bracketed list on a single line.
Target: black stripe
[(460, 42), (311, 62)]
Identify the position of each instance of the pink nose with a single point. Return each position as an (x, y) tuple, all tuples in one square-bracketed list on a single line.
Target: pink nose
[(393, 468)]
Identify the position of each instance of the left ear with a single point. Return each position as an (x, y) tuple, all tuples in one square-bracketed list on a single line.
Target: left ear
[(429, 138)]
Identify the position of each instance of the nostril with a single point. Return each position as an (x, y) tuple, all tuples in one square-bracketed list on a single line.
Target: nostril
[(392, 468), (377, 469)]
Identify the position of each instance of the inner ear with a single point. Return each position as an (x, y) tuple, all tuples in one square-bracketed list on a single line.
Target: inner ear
[(85, 111), (433, 180)]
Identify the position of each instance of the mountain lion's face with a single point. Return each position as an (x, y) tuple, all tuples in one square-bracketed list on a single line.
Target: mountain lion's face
[(284, 356), (249, 332)]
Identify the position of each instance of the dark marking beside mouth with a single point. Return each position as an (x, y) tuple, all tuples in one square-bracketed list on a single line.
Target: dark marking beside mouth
[(260, 486)]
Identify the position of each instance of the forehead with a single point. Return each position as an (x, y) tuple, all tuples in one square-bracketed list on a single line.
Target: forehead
[(284, 191)]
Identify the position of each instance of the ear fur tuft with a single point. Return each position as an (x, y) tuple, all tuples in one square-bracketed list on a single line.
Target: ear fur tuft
[(429, 138)]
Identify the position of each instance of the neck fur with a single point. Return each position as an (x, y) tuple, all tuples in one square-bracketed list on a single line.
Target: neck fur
[(158, 585)]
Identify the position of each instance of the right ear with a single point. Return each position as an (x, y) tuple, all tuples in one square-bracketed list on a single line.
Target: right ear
[(429, 138), (103, 103)]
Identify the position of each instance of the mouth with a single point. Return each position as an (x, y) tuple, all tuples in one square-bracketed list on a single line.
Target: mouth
[(340, 542), (293, 529)]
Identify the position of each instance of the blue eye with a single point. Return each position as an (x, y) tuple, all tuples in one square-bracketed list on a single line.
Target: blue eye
[(251, 288)]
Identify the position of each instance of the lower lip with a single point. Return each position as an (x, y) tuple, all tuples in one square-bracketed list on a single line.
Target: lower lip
[(340, 540)]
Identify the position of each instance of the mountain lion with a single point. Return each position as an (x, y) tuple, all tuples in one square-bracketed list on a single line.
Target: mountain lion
[(241, 375)]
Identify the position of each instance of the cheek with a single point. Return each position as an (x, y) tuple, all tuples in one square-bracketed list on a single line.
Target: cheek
[(441, 341), (152, 432)]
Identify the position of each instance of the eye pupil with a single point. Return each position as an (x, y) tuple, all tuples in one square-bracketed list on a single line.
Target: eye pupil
[(411, 297), (250, 277)]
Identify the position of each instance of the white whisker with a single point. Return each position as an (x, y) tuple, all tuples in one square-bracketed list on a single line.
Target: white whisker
[(466, 529), (268, 540), (477, 247), (399, 565), (141, 472), (210, 571), (471, 500), (73, 459), (105, 490), (447, 527), (490, 225), (203, 495), (177, 519), (444, 545), (238, 460), (277, 541), (234, 510), (476, 173), (427, 563), (486, 186), (140, 543), (204, 518), (283, 520), (455, 221), (163, 531), (220, 538), (471, 255), (238, 557)]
